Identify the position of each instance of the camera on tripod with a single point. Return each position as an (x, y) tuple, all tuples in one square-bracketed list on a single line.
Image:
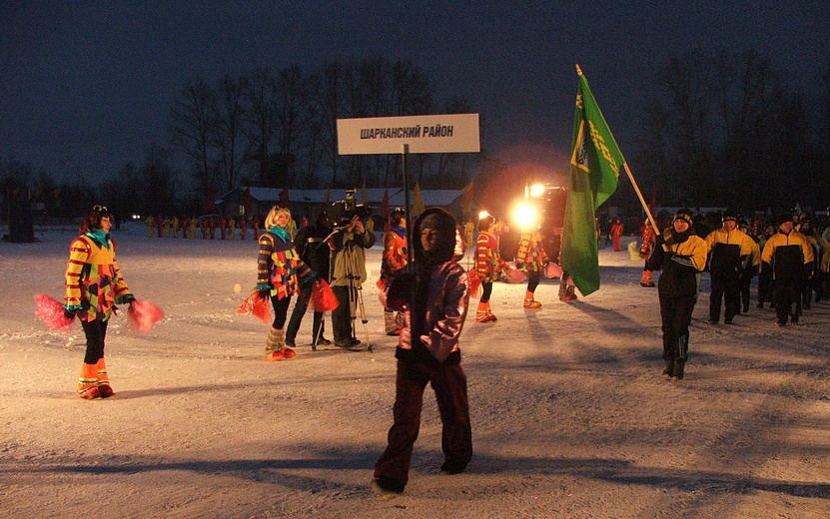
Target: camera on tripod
[(342, 211)]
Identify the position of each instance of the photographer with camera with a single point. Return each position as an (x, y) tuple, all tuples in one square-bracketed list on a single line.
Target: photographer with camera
[(348, 267)]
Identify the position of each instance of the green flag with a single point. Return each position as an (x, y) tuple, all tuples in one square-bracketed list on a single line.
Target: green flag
[(595, 166)]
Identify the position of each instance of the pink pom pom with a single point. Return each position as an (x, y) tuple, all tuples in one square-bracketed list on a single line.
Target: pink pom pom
[(322, 296), (513, 274), (257, 306), (144, 315), (50, 313), (553, 270), (475, 283)]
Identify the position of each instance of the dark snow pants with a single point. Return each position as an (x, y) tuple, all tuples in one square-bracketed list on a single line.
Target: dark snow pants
[(450, 385), (676, 315)]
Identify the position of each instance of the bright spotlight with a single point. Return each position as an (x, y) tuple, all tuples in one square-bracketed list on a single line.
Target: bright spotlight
[(526, 216), (537, 190)]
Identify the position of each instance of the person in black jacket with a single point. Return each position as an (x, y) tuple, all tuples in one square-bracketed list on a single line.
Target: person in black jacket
[(314, 251), (681, 255)]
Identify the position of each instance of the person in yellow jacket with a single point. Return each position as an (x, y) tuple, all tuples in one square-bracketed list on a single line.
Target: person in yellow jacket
[(151, 226), (730, 254), (94, 285), (806, 229), (681, 255), (789, 257)]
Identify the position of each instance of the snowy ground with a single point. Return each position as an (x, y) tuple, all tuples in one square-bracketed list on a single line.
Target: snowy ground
[(570, 415)]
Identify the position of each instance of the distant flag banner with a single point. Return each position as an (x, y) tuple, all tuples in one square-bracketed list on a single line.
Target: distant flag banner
[(417, 201), (596, 161), (384, 205), (467, 199)]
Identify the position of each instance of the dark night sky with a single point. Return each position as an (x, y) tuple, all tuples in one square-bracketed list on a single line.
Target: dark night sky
[(86, 86)]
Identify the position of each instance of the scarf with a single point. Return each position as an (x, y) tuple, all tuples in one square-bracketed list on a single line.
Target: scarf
[(400, 231), (100, 237), (280, 233)]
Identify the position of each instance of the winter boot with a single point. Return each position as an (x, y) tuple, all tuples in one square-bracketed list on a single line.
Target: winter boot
[(104, 387), (390, 323), (288, 353), (530, 303), (677, 370), (682, 356), (567, 292), (795, 312), (88, 382), (275, 344), (667, 372), (483, 313)]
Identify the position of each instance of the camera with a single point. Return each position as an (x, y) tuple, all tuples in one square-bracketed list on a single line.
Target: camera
[(342, 211)]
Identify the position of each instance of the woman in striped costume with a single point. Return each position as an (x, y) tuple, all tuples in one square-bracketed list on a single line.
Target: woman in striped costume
[(279, 272), (94, 286)]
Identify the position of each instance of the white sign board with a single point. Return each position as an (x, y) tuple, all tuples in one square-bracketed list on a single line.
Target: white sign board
[(451, 133)]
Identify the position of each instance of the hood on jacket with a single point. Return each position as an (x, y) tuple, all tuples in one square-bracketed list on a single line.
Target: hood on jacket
[(442, 222)]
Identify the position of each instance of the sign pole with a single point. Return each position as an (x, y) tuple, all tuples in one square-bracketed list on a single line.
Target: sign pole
[(407, 208), (410, 221)]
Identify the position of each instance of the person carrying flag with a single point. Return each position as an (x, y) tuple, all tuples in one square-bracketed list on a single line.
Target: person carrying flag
[(681, 255)]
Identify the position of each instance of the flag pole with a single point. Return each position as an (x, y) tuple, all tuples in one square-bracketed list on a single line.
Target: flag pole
[(407, 207), (633, 183), (410, 255), (642, 200)]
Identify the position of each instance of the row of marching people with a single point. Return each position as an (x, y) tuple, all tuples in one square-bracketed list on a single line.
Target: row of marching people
[(211, 227)]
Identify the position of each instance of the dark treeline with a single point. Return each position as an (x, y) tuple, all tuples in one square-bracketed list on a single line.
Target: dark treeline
[(719, 130), (726, 130)]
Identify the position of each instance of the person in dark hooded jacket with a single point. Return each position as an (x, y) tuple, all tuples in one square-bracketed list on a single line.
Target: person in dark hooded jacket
[(434, 298), (681, 255)]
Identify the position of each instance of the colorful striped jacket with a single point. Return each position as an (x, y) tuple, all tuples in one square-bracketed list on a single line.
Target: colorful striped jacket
[(488, 259), (531, 256), (94, 284), (279, 267)]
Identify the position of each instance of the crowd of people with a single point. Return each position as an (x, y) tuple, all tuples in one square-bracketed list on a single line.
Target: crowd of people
[(425, 294), (208, 227)]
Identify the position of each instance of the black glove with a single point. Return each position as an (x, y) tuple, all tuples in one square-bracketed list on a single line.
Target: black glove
[(127, 299), (265, 293), (69, 314)]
